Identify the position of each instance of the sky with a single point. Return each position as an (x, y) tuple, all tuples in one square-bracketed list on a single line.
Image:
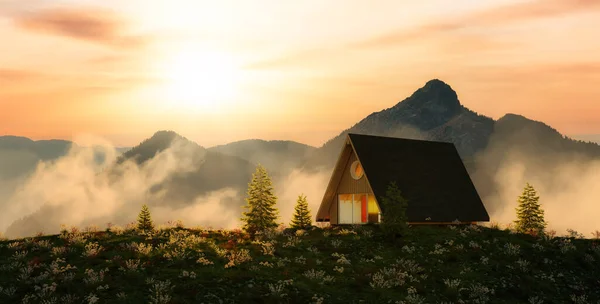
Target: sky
[(220, 71)]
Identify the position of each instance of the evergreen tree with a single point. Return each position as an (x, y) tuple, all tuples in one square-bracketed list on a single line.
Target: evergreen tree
[(301, 218), (530, 216), (145, 220), (262, 213), (394, 221)]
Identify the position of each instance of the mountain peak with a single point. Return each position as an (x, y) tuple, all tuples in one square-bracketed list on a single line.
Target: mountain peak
[(436, 94), (435, 99), (165, 135), (436, 83), (159, 142), (513, 116)]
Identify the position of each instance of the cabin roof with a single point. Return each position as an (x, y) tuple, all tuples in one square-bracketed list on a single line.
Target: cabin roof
[(430, 175)]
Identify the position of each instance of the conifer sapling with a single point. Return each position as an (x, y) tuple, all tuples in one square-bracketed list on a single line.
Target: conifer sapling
[(145, 220), (301, 218), (530, 216), (261, 214)]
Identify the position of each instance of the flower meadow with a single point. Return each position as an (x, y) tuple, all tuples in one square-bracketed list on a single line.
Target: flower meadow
[(355, 264)]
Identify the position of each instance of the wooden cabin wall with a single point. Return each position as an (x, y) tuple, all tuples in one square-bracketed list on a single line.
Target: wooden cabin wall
[(347, 185), (350, 185), (333, 212)]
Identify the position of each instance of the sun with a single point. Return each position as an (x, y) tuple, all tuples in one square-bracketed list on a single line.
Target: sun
[(200, 80)]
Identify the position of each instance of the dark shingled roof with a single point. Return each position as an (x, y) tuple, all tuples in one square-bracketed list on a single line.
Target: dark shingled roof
[(431, 176)]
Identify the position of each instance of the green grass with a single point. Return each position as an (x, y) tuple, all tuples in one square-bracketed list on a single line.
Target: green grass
[(352, 265)]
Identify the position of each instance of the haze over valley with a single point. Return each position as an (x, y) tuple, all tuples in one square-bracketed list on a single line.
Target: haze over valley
[(49, 183)]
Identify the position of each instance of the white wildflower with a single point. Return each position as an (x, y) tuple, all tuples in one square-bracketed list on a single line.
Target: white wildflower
[(92, 249), (187, 274), (336, 243), (160, 292)]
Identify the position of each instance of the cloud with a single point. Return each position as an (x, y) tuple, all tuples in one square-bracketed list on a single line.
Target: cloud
[(88, 24), (23, 84), (524, 11), (449, 36), (457, 43), (568, 202), (9, 8), (535, 79), (298, 182), (503, 15), (567, 182), (111, 60), (297, 58), (18, 75), (566, 69), (78, 190)]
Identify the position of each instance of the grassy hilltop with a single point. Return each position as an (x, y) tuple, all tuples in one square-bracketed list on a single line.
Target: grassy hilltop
[(353, 265)]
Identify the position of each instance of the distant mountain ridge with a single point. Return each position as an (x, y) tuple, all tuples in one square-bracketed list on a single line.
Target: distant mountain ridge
[(208, 170), (278, 156), (434, 112), (593, 138), (47, 149), (153, 145), (44, 149), (19, 155)]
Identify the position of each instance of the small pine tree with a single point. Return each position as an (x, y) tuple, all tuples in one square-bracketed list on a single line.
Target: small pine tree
[(145, 220), (530, 216), (394, 221), (262, 213), (301, 218)]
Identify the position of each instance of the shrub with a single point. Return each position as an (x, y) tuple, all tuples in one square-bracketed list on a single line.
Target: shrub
[(394, 205)]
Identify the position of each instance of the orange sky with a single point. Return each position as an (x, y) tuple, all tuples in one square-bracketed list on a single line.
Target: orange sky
[(299, 70)]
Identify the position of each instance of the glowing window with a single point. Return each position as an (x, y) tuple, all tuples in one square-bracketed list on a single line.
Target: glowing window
[(356, 170), (353, 208)]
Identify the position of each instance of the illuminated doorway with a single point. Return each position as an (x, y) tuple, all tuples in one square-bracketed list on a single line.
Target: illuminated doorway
[(359, 208)]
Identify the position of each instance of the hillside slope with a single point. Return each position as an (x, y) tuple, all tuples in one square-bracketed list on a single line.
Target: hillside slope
[(429, 265)]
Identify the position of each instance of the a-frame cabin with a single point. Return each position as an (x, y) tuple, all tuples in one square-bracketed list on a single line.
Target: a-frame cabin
[(430, 175)]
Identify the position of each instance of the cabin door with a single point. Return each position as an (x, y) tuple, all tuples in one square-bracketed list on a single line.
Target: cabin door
[(353, 208)]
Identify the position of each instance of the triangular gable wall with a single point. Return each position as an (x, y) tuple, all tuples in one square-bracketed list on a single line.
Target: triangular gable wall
[(342, 182), (323, 213)]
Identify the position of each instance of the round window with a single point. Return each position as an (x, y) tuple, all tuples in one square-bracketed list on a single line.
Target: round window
[(356, 170)]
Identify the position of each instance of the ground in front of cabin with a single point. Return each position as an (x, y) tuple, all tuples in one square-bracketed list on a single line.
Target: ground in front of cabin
[(456, 264)]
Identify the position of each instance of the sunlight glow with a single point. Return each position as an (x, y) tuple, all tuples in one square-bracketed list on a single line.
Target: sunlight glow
[(200, 80)]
